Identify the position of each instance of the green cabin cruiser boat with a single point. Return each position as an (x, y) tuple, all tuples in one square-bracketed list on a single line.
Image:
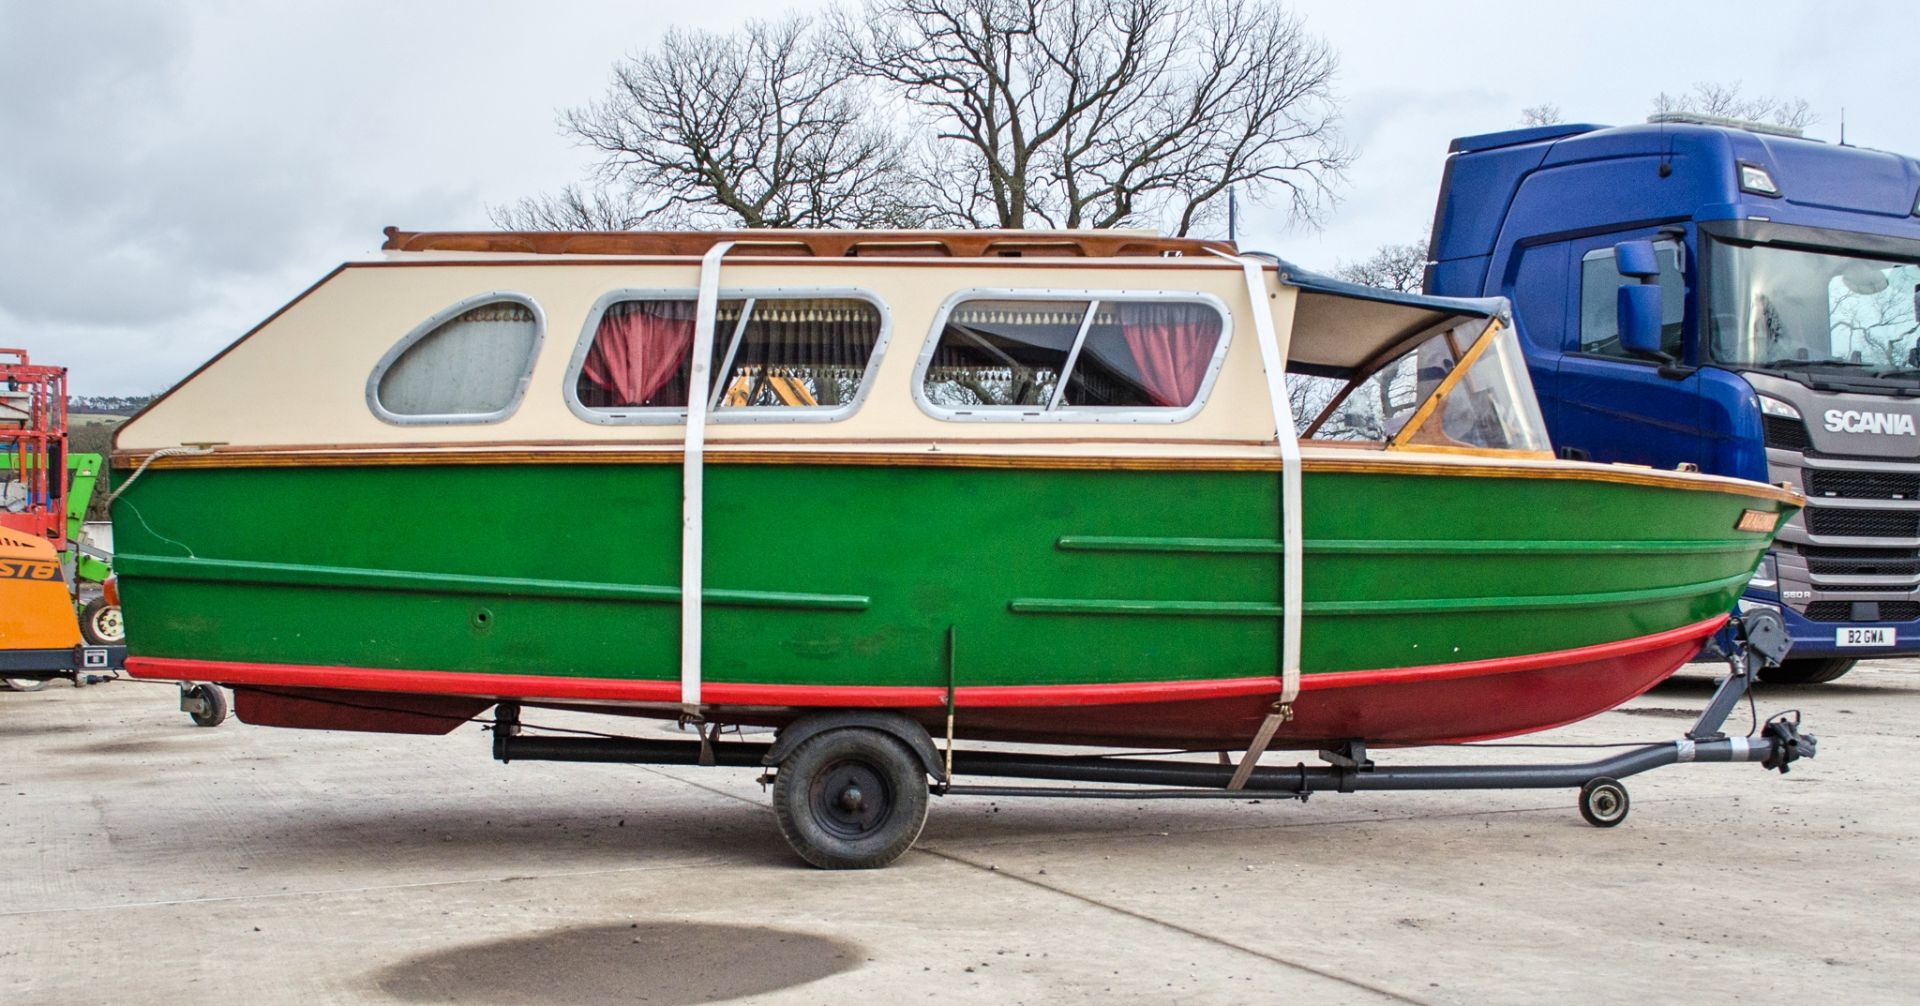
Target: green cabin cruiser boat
[(1069, 488)]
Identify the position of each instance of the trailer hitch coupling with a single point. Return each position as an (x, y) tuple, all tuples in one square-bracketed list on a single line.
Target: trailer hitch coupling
[(1789, 745)]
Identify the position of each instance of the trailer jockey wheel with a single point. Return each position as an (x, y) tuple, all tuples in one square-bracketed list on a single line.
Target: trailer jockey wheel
[(205, 702), (1603, 802), (101, 625), (851, 799)]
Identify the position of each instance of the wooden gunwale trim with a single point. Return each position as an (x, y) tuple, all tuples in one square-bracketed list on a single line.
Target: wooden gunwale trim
[(128, 458), (1608, 473), (1401, 462), (1477, 452)]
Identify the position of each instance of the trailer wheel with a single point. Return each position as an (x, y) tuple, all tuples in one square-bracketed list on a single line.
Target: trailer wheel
[(100, 623), (212, 700), (24, 684), (1603, 802), (851, 799), (1807, 671)]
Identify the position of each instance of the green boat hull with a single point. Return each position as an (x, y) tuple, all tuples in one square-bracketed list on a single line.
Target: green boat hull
[(912, 577)]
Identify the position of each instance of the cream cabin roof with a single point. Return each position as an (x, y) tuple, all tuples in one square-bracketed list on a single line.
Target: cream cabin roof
[(300, 378)]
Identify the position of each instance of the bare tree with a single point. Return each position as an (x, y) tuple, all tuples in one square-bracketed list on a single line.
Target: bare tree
[(1726, 101), (1401, 267), (758, 128), (574, 208), (1544, 114), (1103, 113)]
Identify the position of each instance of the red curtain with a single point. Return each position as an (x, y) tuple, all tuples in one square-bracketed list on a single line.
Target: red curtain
[(1171, 345), (638, 349)]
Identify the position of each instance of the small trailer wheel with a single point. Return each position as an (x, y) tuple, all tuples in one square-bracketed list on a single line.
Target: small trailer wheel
[(211, 702), (1603, 802), (851, 799), (101, 624)]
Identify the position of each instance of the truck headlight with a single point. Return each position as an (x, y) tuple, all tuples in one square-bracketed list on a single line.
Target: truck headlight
[(1776, 407), (1767, 577)]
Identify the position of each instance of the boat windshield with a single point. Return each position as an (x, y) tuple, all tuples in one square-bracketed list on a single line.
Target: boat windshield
[(1463, 387), (1815, 314)]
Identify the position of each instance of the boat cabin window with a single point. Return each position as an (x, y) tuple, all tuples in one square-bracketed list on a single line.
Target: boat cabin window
[(773, 356), (467, 364), (1462, 387), (1078, 359)]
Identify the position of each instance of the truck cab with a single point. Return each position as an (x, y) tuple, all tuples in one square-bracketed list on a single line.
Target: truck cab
[(1786, 346)]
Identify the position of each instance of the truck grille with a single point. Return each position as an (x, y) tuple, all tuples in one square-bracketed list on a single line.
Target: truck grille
[(1787, 434), (1863, 523), (1822, 561), (1863, 485), (1843, 611)]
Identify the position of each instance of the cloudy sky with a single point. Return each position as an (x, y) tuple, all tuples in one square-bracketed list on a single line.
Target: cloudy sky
[(170, 174)]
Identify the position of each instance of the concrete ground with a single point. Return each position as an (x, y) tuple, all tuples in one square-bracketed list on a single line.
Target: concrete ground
[(150, 861)]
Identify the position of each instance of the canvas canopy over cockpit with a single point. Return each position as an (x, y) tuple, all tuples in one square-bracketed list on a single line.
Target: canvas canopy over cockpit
[(1366, 365)]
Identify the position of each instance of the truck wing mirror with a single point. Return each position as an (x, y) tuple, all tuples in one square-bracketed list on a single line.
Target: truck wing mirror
[(1639, 310), (1636, 259)]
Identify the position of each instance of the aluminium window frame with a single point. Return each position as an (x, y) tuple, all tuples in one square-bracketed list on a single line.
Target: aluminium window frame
[(1056, 411), (674, 415), (433, 324)]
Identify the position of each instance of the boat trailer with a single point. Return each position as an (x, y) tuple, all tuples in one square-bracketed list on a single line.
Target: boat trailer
[(834, 806)]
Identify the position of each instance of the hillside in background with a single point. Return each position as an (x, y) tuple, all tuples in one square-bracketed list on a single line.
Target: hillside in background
[(107, 405)]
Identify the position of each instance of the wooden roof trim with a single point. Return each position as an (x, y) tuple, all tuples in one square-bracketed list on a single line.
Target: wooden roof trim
[(811, 243)]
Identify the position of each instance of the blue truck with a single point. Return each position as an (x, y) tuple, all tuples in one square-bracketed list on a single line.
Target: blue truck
[(1732, 296)]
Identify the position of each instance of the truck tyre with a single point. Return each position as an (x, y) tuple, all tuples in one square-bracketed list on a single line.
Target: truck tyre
[(100, 623), (851, 799), (1807, 671)]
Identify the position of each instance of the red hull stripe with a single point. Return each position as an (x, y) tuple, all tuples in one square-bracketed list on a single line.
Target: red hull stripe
[(521, 686)]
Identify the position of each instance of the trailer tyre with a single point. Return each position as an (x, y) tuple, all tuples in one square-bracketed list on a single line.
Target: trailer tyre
[(851, 799), (1807, 671), (213, 704), (1603, 802), (101, 625)]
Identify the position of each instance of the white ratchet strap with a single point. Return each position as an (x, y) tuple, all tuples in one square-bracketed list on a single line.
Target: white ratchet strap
[(1291, 568), (693, 475)]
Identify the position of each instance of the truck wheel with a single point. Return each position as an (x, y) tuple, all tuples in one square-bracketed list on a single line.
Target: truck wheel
[(1807, 671), (101, 625), (24, 684), (213, 704), (851, 799)]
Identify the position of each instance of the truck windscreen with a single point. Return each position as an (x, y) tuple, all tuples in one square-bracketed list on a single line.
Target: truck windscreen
[(1787, 309)]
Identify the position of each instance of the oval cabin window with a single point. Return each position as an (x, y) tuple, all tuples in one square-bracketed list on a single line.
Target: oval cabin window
[(467, 364), (1080, 359), (792, 357)]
